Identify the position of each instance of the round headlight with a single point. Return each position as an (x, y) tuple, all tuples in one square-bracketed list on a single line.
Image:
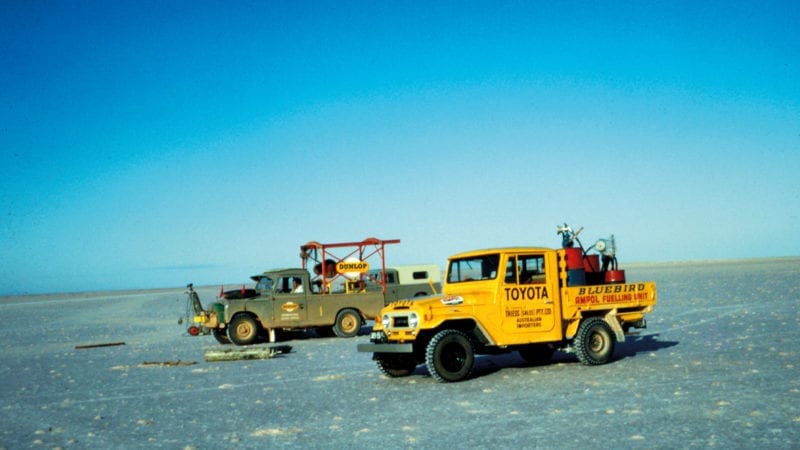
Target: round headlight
[(413, 320), (385, 321)]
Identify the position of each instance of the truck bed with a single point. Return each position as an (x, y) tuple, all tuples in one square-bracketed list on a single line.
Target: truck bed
[(628, 302), (628, 295)]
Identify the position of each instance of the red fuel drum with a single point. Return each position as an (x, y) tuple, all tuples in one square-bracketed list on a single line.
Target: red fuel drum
[(615, 277), (574, 258)]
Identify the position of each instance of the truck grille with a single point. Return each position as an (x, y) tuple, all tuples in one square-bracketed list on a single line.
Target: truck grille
[(400, 321)]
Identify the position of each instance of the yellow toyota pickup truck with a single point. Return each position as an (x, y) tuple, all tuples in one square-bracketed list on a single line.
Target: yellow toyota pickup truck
[(532, 300)]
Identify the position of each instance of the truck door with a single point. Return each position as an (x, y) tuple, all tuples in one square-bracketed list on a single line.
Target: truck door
[(290, 306), (528, 305)]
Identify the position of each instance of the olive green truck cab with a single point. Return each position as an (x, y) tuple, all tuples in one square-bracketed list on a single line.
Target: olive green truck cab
[(532, 300)]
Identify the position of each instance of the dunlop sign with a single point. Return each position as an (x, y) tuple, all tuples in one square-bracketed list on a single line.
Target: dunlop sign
[(351, 267)]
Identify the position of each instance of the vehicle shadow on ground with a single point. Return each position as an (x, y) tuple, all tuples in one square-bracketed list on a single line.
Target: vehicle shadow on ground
[(634, 344)]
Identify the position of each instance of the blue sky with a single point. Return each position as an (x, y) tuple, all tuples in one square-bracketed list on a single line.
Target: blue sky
[(152, 144)]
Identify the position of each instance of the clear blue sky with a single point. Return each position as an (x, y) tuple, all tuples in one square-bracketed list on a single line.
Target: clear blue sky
[(152, 144)]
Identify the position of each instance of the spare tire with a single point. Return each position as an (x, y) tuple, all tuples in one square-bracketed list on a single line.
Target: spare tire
[(235, 294)]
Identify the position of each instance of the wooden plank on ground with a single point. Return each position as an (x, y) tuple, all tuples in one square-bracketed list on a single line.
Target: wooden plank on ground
[(235, 354), (109, 344)]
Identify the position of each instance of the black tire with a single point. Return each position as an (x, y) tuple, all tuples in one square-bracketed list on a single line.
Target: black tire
[(536, 353), (594, 342), (243, 330), (449, 356), (236, 294), (220, 336), (348, 323), (395, 366)]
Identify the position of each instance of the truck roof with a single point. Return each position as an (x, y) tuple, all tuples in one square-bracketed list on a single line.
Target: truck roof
[(501, 250)]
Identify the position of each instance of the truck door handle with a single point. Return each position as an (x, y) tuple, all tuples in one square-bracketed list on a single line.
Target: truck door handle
[(548, 302)]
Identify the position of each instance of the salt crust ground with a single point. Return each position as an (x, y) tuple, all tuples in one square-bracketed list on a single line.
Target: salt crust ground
[(717, 367)]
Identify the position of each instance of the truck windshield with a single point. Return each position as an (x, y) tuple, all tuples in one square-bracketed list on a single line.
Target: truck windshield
[(264, 284), (482, 267)]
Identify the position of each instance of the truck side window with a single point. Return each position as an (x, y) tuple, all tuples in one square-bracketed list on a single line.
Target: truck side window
[(297, 285), (264, 284), (286, 285), (531, 269)]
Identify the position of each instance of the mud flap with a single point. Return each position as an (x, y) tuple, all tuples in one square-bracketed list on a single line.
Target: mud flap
[(613, 322)]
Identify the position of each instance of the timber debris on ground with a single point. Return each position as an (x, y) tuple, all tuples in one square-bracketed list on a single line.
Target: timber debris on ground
[(235, 354), (169, 363), (108, 344)]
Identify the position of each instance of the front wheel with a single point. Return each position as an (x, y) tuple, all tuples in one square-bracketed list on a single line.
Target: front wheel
[(348, 323), (449, 356), (594, 342), (395, 366), (243, 330)]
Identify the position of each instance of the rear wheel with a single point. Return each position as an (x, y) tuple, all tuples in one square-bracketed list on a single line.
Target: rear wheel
[(449, 356), (594, 342), (243, 330), (348, 323), (395, 366)]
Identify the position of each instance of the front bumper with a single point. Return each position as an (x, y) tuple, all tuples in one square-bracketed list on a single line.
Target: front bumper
[(386, 348), (379, 344)]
